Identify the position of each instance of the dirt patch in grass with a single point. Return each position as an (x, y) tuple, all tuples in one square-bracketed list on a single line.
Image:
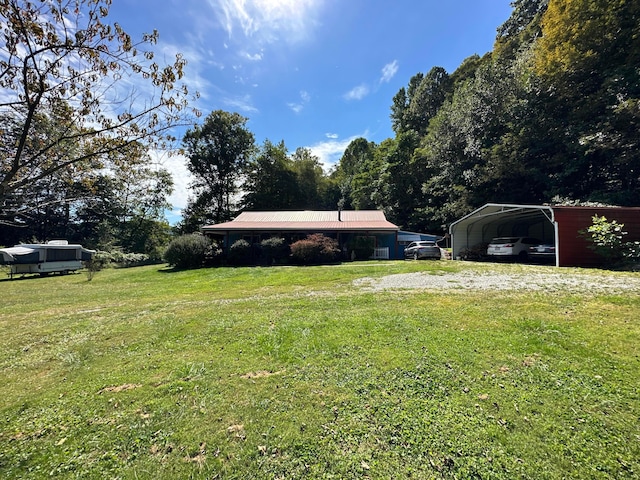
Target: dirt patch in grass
[(119, 388), (260, 374)]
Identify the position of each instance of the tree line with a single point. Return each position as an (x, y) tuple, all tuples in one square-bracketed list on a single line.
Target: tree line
[(550, 115)]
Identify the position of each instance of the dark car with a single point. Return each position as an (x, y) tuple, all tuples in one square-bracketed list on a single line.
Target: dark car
[(422, 249), (544, 252)]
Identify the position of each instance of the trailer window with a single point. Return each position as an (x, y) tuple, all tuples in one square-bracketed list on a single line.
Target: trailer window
[(60, 254)]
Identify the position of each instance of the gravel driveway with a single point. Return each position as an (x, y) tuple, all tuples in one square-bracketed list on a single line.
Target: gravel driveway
[(550, 282)]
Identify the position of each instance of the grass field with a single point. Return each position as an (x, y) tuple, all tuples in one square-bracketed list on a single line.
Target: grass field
[(292, 372)]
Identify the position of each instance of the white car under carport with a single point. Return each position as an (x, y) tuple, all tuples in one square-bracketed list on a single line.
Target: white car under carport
[(511, 247)]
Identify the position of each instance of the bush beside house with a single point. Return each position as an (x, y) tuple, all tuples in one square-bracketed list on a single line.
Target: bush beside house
[(361, 248), (240, 253), (274, 250), (315, 249), (188, 251)]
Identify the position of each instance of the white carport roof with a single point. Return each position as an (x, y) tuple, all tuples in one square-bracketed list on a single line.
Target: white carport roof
[(499, 219)]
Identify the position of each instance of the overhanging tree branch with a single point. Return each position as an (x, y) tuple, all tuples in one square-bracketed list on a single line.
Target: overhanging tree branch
[(64, 55)]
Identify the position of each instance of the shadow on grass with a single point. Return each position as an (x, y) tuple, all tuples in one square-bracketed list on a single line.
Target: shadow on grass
[(35, 276), (170, 269)]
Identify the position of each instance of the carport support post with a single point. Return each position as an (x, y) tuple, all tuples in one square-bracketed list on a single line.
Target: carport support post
[(556, 240)]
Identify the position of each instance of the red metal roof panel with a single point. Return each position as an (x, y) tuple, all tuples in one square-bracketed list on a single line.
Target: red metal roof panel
[(307, 220)]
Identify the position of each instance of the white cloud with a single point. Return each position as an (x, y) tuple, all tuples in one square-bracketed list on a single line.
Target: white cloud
[(256, 57), (331, 135), (362, 90), (266, 20), (176, 165), (242, 103), (389, 71), (297, 107), (357, 93), (330, 151)]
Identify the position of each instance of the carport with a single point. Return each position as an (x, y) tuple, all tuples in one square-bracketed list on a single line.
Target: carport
[(557, 225), (503, 220)]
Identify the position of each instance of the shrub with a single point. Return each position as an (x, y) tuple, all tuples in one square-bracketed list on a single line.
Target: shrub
[(607, 240), (315, 249), (274, 250), (240, 253), (116, 257), (362, 247), (92, 267), (187, 251), (476, 252), (213, 257)]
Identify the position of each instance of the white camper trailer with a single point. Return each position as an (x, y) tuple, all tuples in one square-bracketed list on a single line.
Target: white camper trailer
[(44, 258)]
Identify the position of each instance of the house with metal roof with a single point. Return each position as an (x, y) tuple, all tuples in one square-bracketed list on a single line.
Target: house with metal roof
[(342, 225), (553, 224)]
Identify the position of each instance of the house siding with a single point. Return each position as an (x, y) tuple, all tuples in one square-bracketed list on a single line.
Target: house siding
[(383, 240), (292, 226)]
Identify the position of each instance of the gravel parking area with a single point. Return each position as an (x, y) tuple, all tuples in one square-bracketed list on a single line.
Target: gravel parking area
[(571, 282)]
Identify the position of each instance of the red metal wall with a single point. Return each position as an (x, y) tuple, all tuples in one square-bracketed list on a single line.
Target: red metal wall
[(574, 251)]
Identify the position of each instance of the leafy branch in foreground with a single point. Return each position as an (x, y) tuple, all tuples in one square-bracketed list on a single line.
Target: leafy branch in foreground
[(65, 55), (607, 239)]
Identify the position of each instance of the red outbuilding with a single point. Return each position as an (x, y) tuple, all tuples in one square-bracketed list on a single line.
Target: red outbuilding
[(560, 226)]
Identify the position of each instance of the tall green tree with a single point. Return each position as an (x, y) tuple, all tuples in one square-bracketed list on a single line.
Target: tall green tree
[(356, 172), (271, 182), (311, 181), (521, 29), (414, 106), (401, 103), (427, 99), (587, 62), (454, 152), (397, 188), (25, 201), (140, 192), (217, 154), (551, 113)]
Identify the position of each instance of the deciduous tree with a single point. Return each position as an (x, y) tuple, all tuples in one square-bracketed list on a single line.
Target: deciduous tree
[(312, 183), (66, 55), (271, 183), (217, 155)]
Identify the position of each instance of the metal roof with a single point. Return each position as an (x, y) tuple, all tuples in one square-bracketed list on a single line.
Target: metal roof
[(309, 220), (498, 220), (560, 225)]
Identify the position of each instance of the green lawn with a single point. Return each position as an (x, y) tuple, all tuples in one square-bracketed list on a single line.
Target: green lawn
[(292, 372)]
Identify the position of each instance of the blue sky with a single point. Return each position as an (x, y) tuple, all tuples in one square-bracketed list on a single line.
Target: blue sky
[(314, 73)]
